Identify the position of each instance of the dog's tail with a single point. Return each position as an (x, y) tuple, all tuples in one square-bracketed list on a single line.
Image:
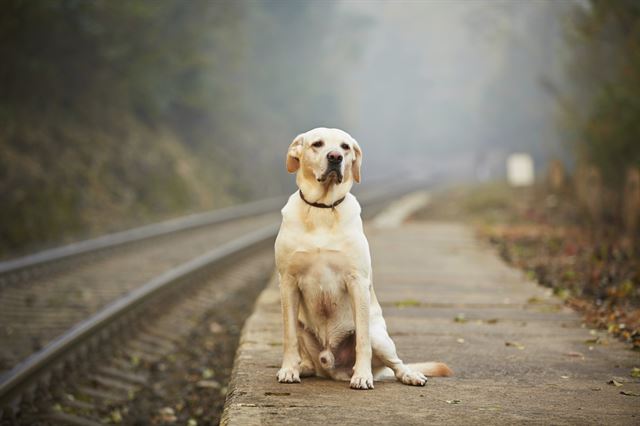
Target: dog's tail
[(432, 369)]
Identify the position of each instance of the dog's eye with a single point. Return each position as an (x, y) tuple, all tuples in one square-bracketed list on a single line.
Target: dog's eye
[(345, 147), (317, 144)]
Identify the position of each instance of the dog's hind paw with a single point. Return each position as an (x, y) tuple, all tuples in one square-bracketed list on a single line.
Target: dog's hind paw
[(307, 369), (364, 381), (288, 375), (414, 378)]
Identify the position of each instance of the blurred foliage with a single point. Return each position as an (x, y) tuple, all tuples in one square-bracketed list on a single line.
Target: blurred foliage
[(115, 113), (604, 109)]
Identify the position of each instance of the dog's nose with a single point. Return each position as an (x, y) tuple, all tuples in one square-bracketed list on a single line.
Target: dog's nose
[(334, 157)]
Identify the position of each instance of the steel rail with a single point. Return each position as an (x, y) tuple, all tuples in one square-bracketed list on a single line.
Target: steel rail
[(171, 226), (27, 375), (16, 380), (154, 230)]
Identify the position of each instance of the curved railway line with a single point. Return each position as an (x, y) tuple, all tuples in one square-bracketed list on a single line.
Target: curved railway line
[(79, 320), (37, 310)]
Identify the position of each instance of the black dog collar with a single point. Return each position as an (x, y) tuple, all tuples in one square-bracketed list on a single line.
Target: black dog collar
[(320, 205)]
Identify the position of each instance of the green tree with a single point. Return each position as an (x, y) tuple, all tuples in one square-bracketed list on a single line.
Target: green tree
[(606, 72)]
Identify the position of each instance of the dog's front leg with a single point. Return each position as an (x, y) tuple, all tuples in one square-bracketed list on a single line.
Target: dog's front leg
[(290, 299), (359, 290)]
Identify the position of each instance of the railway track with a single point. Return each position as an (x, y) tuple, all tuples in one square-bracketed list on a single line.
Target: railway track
[(41, 306), (121, 310)]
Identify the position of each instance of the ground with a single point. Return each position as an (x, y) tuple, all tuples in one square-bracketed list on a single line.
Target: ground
[(518, 353), (593, 265), (189, 386)]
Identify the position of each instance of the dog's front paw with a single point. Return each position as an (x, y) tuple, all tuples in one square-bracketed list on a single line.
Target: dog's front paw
[(289, 375), (414, 378), (362, 381)]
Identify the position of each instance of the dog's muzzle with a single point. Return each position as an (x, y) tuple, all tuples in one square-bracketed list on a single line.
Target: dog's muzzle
[(334, 168)]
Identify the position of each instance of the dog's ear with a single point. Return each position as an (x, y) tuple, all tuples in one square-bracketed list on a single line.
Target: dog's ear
[(293, 154), (357, 162)]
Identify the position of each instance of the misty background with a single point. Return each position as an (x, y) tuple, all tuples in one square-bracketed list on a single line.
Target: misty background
[(114, 114)]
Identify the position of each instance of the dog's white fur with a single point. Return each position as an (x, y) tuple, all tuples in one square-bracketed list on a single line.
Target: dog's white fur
[(333, 324)]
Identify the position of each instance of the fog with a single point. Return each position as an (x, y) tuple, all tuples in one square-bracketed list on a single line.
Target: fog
[(448, 87), (157, 109)]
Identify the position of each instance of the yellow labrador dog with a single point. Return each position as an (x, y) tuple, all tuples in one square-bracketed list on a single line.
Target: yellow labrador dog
[(333, 325)]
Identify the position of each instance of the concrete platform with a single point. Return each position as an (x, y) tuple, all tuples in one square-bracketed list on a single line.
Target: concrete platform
[(518, 355)]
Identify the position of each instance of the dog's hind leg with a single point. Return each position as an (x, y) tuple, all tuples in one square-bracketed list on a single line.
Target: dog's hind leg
[(384, 350)]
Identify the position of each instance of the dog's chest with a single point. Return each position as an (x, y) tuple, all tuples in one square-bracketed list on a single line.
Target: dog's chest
[(322, 297), (322, 279)]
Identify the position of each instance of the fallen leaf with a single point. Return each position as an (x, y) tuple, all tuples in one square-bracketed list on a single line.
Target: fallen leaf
[(492, 321), (564, 377), (514, 345), (168, 415), (207, 373), (116, 416), (575, 354), (629, 393), (596, 341), (460, 340), (460, 318), (135, 360), (489, 408), (208, 384), (548, 308), (635, 372), (215, 328), (407, 303), (614, 383), (453, 401)]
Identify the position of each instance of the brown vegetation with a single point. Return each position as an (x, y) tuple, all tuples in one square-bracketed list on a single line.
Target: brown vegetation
[(594, 266)]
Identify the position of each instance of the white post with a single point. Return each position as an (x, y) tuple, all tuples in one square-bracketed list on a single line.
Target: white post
[(520, 169)]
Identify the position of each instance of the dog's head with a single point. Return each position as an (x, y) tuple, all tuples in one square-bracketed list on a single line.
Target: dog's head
[(325, 159)]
